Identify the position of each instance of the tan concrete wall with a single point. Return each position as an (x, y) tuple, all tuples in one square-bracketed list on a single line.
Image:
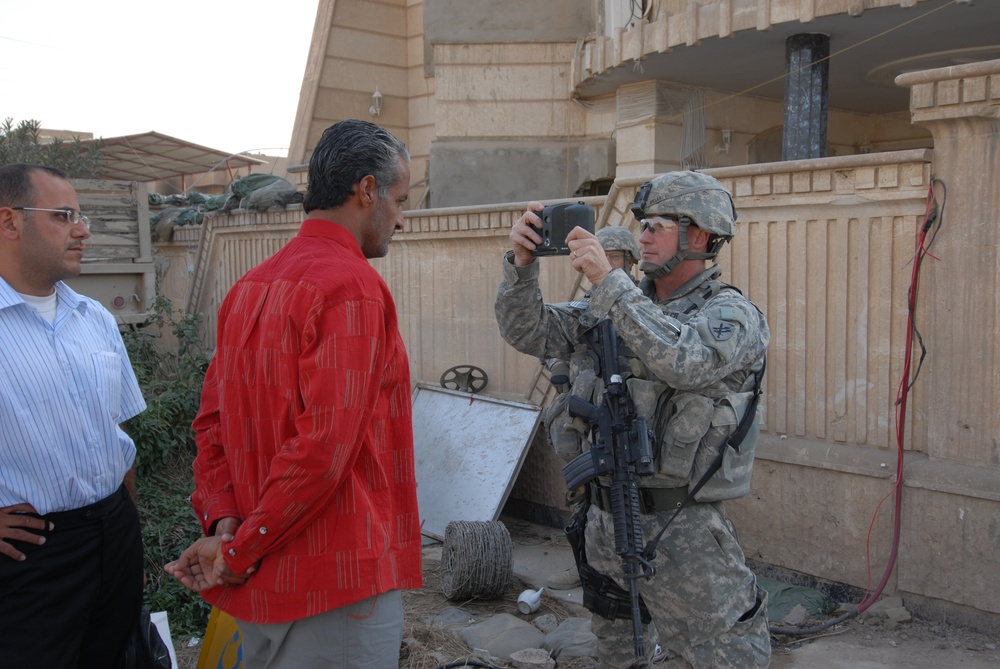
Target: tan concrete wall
[(649, 137), (961, 107), (230, 246), (956, 508), (506, 128), (421, 104), (468, 87), (822, 249), (505, 90), (358, 46), (175, 265), (524, 21)]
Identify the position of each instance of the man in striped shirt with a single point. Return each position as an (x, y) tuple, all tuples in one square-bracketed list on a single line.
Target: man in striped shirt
[(70, 546)]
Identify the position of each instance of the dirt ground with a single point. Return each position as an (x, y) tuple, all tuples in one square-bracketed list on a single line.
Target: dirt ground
[(866, 642)]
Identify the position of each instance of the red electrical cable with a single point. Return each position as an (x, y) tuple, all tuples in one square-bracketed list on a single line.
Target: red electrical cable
[(930, 215)]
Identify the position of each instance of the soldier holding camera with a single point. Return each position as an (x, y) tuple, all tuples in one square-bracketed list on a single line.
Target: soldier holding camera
[(691, 349)]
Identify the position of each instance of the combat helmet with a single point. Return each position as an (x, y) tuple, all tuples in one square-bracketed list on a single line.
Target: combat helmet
[(617, 238), (694, 199)]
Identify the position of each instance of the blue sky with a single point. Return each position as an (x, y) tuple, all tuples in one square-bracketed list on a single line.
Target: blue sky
[(221, 73)]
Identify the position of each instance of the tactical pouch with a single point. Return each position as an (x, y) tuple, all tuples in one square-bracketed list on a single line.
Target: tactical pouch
[(651, 401), (732, 481), (566, 433), (601, 594), (686, 420)]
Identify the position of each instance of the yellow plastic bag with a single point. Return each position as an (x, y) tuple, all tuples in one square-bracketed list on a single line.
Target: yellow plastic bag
[(223, 648)]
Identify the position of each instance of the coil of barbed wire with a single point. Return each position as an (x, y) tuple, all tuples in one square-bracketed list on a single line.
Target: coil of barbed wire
[(476, 560)]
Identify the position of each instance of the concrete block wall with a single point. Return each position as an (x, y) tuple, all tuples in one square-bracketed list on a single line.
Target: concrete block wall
[(822, 249), (358, 47), (506, 128), (484, 98)]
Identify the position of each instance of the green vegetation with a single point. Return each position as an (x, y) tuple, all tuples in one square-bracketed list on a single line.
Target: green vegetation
[(170, 374), (171, 382), (168, 527), (21, 144)]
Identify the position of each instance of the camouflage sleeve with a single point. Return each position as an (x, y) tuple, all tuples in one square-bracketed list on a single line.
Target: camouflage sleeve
[(526, 322), (727, 336)]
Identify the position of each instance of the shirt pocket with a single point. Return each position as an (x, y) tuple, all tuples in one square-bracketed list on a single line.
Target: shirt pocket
[(108, 380)]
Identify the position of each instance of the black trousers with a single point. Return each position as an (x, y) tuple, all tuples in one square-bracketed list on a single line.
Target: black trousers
[(74, 601)]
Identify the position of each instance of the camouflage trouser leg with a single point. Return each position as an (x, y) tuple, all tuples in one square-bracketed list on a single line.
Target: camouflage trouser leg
[(701, 589), (615, 645)]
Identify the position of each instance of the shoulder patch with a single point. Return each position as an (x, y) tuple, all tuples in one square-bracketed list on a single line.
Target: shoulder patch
[(721, 330)]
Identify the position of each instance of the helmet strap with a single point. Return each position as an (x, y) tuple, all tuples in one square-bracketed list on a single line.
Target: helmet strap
[(654, 271), (715, 244)]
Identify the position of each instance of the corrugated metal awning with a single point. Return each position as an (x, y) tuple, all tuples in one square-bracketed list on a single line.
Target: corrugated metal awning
[(151, 156)]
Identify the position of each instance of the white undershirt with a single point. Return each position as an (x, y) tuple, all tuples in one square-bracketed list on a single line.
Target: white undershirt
[(45, 306)]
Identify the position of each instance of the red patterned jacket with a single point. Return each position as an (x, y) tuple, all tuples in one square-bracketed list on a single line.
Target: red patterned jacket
[(305, 434)]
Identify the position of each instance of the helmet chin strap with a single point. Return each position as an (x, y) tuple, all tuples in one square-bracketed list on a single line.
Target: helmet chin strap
[(654, 271)]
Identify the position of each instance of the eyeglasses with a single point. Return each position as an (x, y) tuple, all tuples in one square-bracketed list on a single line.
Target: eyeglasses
[(71, 216), (614, 255), (657, 223)]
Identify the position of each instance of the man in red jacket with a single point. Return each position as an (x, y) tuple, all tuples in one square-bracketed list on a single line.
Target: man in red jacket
[(304, 476)]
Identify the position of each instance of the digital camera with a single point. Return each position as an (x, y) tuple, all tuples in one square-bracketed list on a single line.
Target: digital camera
[(557, 221)]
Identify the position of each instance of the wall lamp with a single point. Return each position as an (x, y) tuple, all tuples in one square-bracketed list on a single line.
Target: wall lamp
[(376, 107), (727, 141)]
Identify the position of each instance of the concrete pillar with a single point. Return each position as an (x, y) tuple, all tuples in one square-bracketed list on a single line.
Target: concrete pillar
[(806, 96), (959, 310), (648, 138), (956, 489)]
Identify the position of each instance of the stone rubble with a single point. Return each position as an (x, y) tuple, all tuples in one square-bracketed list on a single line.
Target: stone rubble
[(506, 638)]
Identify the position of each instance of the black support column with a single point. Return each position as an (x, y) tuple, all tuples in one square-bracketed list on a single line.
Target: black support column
[(806, 96)]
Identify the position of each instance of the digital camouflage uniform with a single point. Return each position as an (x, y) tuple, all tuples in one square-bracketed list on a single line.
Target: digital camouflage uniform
[(693, 388)]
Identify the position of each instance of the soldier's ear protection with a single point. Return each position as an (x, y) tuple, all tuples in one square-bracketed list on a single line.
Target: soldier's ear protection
[(639, 205)]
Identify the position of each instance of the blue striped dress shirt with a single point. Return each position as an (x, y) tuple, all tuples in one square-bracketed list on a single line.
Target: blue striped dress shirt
[(64, 389)]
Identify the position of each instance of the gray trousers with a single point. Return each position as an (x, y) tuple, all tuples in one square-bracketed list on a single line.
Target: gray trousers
[(363, 635), (701, 590)]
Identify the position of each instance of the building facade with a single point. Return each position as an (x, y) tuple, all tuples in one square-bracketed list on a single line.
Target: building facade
[(505, 101)]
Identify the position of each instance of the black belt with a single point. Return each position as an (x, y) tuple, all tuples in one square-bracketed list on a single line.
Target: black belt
[(651, 500), (91, 511)]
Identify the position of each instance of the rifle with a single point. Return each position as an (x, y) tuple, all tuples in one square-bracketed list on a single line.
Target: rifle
[(621, 449)]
